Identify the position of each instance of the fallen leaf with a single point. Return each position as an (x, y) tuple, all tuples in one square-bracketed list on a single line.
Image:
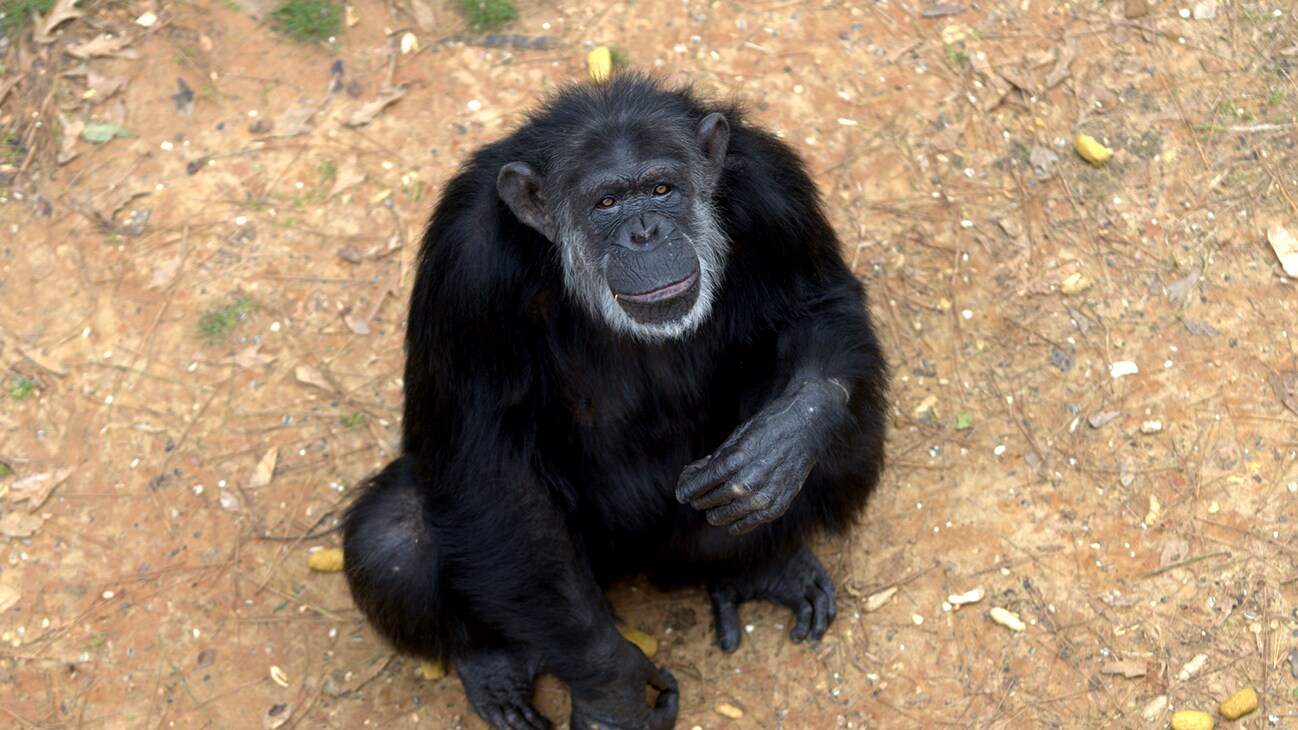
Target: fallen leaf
[(63, 11), (1174, 551), (369, 110), (18, 523), (1199, 328), (351, 254), (357, 324), (1286, 248), (1178, 292), (941, 11), (229, 502), (877, 601), (35, 489), (1127, 473), (71, 132), (1100, 419), (1212, 65), (311, 376), (205, 658), (39, 358), (103, 86), (9, 596), (1044, 162), (165, 273), (249, 357), (422, 12), (1129, 668), (101, 132), (265, 469), (1285, 386), (1063, 61), (294, 122), (349, 174), (102, 45)]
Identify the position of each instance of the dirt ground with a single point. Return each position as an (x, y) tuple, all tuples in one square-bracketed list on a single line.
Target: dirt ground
[(201, 323)]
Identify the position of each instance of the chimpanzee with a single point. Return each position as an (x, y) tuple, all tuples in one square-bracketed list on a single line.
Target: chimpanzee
[(633, 348)]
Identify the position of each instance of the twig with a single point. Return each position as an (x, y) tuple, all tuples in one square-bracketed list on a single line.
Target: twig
[(1183, 563)]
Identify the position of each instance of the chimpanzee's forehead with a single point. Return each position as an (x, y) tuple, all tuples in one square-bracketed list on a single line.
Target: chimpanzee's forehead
[(625, 146)]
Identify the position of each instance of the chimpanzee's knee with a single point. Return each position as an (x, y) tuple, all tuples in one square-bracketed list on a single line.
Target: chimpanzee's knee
[(391, 558)]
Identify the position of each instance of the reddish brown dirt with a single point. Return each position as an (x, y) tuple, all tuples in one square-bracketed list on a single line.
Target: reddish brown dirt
[(156, 586)]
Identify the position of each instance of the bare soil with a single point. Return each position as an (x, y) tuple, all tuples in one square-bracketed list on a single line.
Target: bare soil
[(154, 567)]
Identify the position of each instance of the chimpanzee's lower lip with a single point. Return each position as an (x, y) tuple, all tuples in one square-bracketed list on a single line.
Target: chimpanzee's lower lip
[(662, 294)]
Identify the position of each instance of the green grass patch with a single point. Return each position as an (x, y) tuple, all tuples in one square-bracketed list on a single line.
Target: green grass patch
[(308, 21), (217, 324), (486, 15), (18, 13), (619, 56), (352, 420), (21, 388)]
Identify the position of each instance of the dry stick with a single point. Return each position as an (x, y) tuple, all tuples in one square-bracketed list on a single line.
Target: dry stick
[(1245, 531), (1183, 563)]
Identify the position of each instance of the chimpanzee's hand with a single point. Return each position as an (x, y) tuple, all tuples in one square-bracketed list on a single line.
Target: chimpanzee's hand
[(620, 704), (753, 478)]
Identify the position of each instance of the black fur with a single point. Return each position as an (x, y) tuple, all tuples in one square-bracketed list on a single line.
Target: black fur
[(542, 450)]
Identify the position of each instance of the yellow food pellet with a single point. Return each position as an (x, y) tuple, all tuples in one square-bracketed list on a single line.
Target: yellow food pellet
[(432, 670), (329, 560), (726, 709), (647, 643), (1240, 704), (1192, 720), (600, 63), (1091, 150)]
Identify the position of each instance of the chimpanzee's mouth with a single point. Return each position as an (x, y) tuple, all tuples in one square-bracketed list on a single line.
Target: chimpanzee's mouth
[(663, 293)]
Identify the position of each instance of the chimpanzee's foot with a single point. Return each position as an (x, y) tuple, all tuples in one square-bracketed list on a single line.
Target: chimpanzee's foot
[(800, 583), (499, 684)]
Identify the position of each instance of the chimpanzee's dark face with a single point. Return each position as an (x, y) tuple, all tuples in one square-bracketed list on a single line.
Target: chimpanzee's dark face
[(633, 221)]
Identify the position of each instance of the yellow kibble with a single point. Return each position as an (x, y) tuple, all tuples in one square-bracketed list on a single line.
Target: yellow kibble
[(726, 709), (647, 643), (1192, 720), (329, 560), (1240, 704), (432, 670), (600, 63), (1091, 150)]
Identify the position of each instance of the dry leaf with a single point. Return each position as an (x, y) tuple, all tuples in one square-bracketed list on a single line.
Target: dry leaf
[(1098, 420), (44, 361), (1129, 668), (1178, 292), (9, 596), (62, 12), (71, 131), (103, 86), (265, 470), (1199, 328), (104, 44), (422, 12), (349, 174), (1044, 162), (1096, 99), (229, 502), (293, 122), (1063, 60), (277, 714), (369, 110), (35, 489), (165, 273), (17, 523), (1285, 386), (1285, 247), (1174, 551), (357, 324), (877, 601), (249, 357), (311, 376)]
